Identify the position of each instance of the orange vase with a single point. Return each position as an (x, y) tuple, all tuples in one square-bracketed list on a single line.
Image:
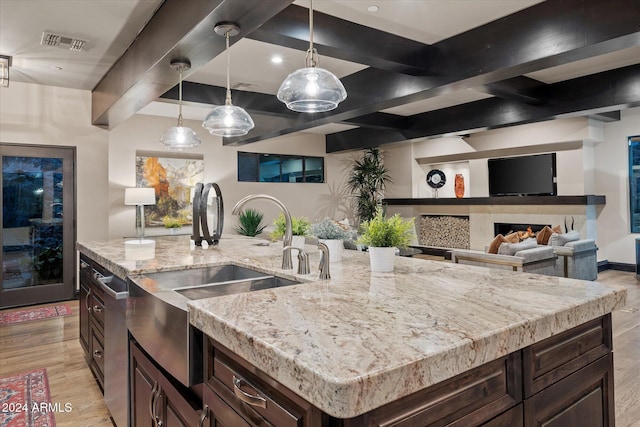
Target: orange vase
[(459, 185)]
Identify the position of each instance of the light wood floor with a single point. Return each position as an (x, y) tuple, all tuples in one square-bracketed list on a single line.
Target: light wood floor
[(53, 344)]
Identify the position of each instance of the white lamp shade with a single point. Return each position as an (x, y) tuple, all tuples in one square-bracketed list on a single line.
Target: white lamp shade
[(228, 120), (139, 196), (312, 90), (180, 138)]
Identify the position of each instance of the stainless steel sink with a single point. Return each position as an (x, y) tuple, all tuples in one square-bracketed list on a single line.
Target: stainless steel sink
[(203, 276), (234, 287)]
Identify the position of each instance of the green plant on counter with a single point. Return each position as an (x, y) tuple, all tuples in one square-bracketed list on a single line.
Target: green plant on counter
[(172, 222), (250, 223), (300, 225), (330, 230), (383, 231)]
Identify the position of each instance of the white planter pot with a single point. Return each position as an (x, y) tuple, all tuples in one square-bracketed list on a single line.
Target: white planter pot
[(382, 259), (297, 242), (335, 249)]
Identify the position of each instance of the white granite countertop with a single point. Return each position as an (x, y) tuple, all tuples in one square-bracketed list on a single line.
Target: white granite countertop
[(361, 339)]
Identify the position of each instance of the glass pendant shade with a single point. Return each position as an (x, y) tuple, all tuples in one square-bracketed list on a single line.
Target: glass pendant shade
[(228, 120), (180, 138), (311, 90)]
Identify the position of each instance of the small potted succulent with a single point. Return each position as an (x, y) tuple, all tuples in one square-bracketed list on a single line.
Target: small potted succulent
[(300, 226), (172, 223), (250, 223), (332, 234), (383, 235)]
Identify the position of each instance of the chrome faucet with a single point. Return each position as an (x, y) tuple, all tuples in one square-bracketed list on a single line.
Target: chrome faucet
[(324, 262), (287, 264), (303, 260)]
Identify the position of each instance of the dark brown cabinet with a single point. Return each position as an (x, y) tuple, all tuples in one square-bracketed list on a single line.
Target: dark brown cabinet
[(156, 400), (563, 381), (92, 320)]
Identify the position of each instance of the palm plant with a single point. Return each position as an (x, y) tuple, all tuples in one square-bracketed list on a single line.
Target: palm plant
[(250, 223), (367, 181)]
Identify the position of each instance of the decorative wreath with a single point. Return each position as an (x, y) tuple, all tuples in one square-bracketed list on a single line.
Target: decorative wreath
[(436, 178)]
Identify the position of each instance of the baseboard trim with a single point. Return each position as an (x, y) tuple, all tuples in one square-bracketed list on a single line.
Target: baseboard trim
[(619, 266)]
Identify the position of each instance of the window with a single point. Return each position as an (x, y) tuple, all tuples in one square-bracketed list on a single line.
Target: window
[(634, 182), (263, 167)]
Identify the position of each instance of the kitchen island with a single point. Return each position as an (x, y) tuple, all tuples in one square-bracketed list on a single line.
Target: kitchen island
[(362, 341)]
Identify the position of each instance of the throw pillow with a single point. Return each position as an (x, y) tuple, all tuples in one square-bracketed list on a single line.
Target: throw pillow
[(543, 235), (512, 248), (495, 244), (557, 229), (512, 238), (562, 239)]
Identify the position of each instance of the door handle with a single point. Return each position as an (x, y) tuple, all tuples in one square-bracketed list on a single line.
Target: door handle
[(152, 399)]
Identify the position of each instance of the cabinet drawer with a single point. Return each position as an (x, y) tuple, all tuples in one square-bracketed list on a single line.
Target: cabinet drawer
[(97, 355), (550, 360), (469, 399), (219, 413), (511, 418), (249, 394), (96, 307)]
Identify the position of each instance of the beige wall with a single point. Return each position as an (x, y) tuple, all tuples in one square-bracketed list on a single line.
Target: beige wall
[(46, 115), (616, 241), (142, 132)]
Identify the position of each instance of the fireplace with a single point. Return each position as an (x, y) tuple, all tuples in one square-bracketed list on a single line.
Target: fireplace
[(505, 228)]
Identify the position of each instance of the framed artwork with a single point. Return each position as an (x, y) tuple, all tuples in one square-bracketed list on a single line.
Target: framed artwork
[(173, 179)]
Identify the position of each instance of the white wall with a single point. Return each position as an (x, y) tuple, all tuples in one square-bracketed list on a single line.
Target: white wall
[(46, 115), (616, 241), (142, 133)]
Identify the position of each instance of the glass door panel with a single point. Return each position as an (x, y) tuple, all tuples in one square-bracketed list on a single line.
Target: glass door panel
[(37, 237)]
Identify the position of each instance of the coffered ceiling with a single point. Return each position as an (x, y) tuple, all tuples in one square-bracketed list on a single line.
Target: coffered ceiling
[(414, 69)]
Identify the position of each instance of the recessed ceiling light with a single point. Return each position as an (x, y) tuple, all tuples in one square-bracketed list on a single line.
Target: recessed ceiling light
[(373, 8), (276, 59)]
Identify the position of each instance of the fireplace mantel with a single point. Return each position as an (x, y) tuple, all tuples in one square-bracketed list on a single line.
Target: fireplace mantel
[(504, 200)]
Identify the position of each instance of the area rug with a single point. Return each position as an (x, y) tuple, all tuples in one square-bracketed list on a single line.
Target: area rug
[(34, 314), (25, 400)]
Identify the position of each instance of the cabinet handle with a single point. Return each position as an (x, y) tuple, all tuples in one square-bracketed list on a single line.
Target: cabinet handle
[(86, 301), (152, 399), (204, 415), (97, 309), (157, 419), (250, 399), (97, 354)]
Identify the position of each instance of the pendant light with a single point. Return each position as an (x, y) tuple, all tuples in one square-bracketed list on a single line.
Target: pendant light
[(311, 89), (180, 137), (228, 120)]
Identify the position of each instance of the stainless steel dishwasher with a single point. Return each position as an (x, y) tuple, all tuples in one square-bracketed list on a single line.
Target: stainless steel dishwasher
[(116, 356)]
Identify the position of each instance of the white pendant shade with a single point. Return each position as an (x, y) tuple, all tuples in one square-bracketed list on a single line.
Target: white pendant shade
[(228, 120), (180, 138), (311, 90)]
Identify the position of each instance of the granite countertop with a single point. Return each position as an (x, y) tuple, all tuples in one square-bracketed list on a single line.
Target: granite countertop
[(361, 339)]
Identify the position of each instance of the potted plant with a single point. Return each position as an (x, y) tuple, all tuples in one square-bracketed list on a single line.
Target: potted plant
[(383, 235), (367, 181), (300, 226), (331, 233), (250, 223), (172, 223)]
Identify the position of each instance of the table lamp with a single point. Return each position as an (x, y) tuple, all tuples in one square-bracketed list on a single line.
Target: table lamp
[(140, 197)]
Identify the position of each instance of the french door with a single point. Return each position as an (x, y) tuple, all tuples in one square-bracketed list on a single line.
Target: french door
[(38, 224)]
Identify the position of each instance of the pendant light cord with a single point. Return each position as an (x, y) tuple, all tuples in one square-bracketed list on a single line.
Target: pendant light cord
[(228, 98), (311, 60), (180, 98)]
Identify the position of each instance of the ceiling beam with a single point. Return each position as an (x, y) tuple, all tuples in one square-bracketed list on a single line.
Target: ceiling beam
[(345, 40), (595, 94), (521, 88), (178, 29), (548, 34)]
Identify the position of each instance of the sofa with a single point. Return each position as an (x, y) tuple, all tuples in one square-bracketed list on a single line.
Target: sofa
[(538, 259), (577, 259)]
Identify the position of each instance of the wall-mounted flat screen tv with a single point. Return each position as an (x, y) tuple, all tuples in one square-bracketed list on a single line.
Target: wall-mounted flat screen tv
[(523, 175)]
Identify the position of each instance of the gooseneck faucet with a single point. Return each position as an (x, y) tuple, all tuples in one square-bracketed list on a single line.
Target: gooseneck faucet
[(287, 264), (324, 262)]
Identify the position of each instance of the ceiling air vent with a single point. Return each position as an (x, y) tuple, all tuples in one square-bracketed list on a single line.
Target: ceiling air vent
[(64, 42)]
